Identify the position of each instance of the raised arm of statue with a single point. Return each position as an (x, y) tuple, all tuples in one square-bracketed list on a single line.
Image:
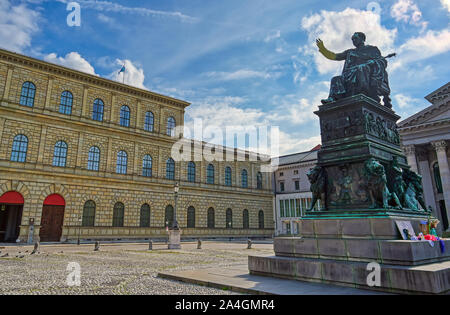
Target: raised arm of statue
[(327, 53)]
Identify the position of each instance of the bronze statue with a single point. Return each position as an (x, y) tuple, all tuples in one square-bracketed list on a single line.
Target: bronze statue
[(317, 178), (364, 72), (376, 184), (414, 192)]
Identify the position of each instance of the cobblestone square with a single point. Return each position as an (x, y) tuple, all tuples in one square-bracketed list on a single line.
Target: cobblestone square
[(117, 268)]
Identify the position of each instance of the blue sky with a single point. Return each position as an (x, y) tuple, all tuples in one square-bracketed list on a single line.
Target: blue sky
[(239, 62)]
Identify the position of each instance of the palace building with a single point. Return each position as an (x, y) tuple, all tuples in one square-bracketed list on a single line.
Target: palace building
[(425, 138), (83, 156)]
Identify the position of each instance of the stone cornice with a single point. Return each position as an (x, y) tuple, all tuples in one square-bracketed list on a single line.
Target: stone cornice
[(55, 70), (423, 126), (424, 114)]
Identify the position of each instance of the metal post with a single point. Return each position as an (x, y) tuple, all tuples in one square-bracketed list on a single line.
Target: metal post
[(175, 223), (79, 230)]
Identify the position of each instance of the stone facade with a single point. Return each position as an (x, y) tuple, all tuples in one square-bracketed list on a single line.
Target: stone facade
[(36, 178), (425, 139)]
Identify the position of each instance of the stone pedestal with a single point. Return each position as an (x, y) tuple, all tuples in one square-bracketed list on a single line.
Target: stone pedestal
[(365, 185), (339, 251), (174, 239)]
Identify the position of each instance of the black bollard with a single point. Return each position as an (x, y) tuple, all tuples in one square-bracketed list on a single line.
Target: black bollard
[(35, 249), (199, 244), (249, 244), (96, 246), (150, 245)]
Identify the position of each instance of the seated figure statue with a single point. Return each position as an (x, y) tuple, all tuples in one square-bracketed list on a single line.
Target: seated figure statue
[(364, 72)]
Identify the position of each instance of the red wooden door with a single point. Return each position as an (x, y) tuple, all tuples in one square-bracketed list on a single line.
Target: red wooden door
[(51, 223)]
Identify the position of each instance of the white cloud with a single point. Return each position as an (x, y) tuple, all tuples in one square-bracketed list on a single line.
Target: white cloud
[(407, 105), (336, 30), (241, 74), (272, 35), (133, 74), (407, 11), (72, 60), (17, 25), (107, 6), (446, 4), (294, 143), (430, 44)]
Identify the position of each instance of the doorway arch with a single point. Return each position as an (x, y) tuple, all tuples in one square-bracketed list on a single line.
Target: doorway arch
[(11, 209), (52, 218)]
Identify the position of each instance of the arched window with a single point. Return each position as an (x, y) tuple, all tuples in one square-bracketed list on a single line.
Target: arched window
[(261, 219), (122, 160), (60, 154), (94, 159), (191, 172), (245, 219), (149, 120), (228, 176), (244, 179), (88, 213), (210, 174), (168, 217), (19, 149), (259, 180), (97, 111), (147, 166), (125, 116), (170, 169), (171, 126), (191, 217), (229, 219), (437, 178), (65, 106), (211, 218), (27, 94), (145, 216), (118, 214)]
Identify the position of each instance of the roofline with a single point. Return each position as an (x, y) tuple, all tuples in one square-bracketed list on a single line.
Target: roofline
[(282, 156), (17, 58), (429, 96)]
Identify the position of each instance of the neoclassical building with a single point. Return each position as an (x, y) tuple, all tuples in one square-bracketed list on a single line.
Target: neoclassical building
[(84, 156), (426, 140), (292, 190)]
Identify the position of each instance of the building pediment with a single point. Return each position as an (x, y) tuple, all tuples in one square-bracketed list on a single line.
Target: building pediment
[(438, 112)]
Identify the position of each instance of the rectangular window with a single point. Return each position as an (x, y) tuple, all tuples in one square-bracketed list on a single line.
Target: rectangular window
[(297, 185), (297, 208), (281, 174), (292, 201), (281, 186), (287, 211), (281, 208), (295, 172)]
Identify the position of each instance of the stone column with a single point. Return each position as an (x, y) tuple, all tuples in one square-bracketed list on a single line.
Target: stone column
[(109, 157), (441, 152), (139, 124), (48, 96), (424, 170), (42, 140), (136, 159), (85, 106), (8, 82), (80, 149), (410, 152)]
